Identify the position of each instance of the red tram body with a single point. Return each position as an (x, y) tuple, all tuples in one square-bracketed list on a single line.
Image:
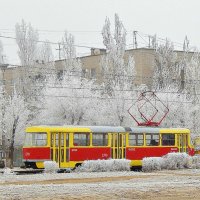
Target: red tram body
[(69, 146)]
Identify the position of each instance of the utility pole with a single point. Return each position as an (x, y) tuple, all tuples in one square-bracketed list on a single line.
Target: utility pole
[(149, 41), (59, 50), (186, 44), (135, 45)]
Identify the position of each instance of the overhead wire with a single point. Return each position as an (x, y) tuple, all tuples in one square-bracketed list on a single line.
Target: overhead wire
[(78, 73), (49, 42)]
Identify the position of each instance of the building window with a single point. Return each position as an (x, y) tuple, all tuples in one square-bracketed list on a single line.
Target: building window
[(100, 139), (93, 73), (60, 75), (136, 139), (168, 139), (81, 139), (152, 139)]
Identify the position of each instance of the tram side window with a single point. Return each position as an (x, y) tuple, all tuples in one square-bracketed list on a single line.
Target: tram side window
[(100, 139), (41, 139), (152, 139), (36, 139), (168, 139), (81, 139), (136, 139)]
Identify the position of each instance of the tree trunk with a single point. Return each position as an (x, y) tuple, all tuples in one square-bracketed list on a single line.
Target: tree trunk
[(11, 146), (80, 118)]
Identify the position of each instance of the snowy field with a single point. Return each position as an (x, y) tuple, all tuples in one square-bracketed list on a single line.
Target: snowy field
[(166, 184)]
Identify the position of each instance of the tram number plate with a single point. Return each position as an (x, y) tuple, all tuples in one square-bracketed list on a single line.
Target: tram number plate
[(131, 149), (104, 155), (173, 149)]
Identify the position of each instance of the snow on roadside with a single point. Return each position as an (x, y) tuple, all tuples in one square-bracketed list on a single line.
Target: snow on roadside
[(8, 171), (104, 165), (73, 175), (154, 181), (51, 167), (171, 161)]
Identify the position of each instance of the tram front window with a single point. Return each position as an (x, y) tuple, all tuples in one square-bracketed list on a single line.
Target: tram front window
[(168, 139), (36, 139)]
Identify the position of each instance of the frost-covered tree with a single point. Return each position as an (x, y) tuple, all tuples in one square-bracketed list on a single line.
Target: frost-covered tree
[(176, 81), (32, 74), (27, 39), (72, 98), (45, 53), (118, 75), (68, 48), (44, 64), (71, 93), (166, 71), (192, 83), (15, 119), (113, 62)]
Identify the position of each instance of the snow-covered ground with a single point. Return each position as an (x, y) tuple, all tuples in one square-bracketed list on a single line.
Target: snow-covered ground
[(173, 184)]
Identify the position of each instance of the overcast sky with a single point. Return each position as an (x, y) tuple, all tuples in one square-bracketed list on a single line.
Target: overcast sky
[(173, 19)]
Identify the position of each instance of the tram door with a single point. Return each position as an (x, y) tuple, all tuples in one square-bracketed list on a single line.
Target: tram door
[(182, 141), (118, 145), (60, 148)]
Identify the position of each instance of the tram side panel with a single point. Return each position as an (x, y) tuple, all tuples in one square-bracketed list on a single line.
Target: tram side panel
[(138, 153), (36, 153), (91, 153), (156, 145)]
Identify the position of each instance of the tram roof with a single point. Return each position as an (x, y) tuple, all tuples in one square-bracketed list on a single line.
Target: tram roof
[(155, 129), (97, 129), (145, 129), (107, 129), (104, 129)]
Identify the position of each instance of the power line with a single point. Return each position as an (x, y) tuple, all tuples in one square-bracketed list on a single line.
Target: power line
[(102, 89), (106, 75), (102, 98), (90, 31), (49, 42)]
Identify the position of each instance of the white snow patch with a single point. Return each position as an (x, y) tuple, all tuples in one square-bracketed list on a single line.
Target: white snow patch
[(177, 161), (196, 162), (104, 165), (50, 167), (152, 163), (171, 161), (8, 171)]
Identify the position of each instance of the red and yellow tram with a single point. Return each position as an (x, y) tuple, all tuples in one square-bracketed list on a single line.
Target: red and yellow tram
[(69, 146)]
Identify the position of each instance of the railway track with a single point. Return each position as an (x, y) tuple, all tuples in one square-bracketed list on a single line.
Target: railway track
[(31, 171), (24, 171)]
